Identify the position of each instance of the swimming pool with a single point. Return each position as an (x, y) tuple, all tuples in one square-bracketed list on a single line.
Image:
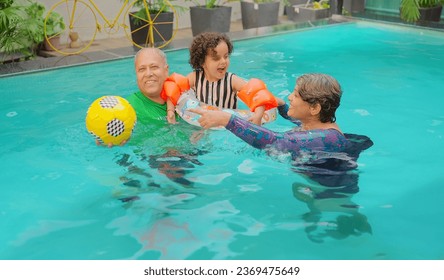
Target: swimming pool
[(64, 198)]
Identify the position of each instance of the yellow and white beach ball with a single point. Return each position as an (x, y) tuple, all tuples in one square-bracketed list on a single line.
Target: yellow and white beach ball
[(111, 119)]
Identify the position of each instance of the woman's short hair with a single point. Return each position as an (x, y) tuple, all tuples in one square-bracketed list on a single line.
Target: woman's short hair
[(321, 89)]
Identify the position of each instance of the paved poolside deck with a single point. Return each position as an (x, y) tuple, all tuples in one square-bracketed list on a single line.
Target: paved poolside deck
[(120, 47)]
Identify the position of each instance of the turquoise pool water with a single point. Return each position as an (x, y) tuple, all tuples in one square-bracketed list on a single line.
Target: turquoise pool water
[(64, 198)]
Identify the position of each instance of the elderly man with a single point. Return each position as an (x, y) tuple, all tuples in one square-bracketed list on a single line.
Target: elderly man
[(151, 108), (151, 70)]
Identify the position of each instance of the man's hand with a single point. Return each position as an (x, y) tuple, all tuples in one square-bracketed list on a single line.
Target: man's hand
[(110, 145)]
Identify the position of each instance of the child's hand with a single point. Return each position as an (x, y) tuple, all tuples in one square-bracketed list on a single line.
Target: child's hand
[(171, 116), (280, 101)]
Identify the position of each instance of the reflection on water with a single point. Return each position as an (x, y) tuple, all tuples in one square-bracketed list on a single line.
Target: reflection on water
[(173, 164), (172, 222), (166, 227), (336, 216), (332, 180)]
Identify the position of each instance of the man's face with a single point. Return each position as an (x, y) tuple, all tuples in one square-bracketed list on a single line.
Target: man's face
[(151, 72)]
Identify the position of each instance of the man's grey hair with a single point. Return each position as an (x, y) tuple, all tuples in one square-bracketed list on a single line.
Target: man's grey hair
[(154, 50)]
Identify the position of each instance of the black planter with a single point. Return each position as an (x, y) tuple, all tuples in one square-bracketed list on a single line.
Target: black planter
[(162, 31), (217, 19), (258, 15), (430, 14), (336, 7)]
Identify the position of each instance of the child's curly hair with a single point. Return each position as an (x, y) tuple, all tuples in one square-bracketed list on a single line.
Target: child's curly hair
[(204, 44)]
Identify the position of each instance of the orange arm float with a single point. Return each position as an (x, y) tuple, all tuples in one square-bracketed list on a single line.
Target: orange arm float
[(255, 94), (173, 87)]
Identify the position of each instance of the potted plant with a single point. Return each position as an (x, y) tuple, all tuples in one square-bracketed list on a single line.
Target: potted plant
[(21, 29), (311, 10), (54, 26), (421, 10), (258, 13), (210, 16), (159, 12)]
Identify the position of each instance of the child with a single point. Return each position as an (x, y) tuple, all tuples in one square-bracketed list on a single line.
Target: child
[(214, 85)]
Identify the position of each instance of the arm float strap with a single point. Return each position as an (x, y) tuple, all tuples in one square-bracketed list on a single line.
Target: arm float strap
[(173, 87), (188, 101), (255, 94)]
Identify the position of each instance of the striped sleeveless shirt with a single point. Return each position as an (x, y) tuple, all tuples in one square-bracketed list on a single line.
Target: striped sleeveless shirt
[(219, 93)]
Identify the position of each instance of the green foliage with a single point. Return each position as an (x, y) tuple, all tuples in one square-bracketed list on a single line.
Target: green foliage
[(318, 4), (154, 7), (263, 1), (54, 24), (409, 9), (210, 4), (285, 2), (321, 4), (21, 26), (428, 3)]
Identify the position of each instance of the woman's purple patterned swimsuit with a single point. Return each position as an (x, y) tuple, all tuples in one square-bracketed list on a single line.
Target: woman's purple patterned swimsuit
[(293, 141)]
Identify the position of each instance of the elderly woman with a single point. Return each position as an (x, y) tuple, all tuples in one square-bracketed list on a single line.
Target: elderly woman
[(313, 104)]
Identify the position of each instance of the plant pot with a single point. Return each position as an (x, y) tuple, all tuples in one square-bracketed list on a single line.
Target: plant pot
[(161, 32), (430, 14), (354, 6), (55, 41), (257, 15), (290, 10), (302, 13), (217, 19), (336, 7)]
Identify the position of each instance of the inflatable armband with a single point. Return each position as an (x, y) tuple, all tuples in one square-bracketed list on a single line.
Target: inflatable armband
[(173, 86), (255, 94)]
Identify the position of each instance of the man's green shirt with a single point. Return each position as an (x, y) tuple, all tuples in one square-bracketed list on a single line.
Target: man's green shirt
[(146, 109)]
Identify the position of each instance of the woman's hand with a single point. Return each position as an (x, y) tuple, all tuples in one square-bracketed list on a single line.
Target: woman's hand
[(209, 119), (256, 118)]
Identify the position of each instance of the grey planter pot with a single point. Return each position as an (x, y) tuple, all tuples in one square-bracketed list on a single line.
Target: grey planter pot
[(354, 6), (258, 15), (302, 13), (290, 11), (210, 20)]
